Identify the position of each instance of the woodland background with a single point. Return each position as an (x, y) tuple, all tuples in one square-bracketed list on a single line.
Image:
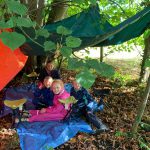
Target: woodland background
[(127, 107)]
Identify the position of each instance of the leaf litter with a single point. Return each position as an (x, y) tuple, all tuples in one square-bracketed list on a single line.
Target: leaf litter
[(119, 114)]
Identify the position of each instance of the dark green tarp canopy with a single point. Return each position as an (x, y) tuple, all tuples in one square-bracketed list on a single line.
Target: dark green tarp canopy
[(92, 29)]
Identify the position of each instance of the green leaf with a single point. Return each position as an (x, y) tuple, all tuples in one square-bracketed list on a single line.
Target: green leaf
[(49, 45), (12, 39), (70, 100), (101, 68), (4, 25), (79, 1), (10, 23), (25, 22), (74, 64), (73, 42), (63, 30), (16, 7), (119, 133), (42, 32), (143, 144), (66, 51), (85, 78), (93, 2), (147, 63), (146, 34), (145, 126)]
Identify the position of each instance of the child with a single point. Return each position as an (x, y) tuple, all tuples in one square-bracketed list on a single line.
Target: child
[(49, 70), (81, 107), (55, 112), (43, 96)]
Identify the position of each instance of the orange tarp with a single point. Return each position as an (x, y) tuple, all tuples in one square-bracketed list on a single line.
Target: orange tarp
[(11, 62)]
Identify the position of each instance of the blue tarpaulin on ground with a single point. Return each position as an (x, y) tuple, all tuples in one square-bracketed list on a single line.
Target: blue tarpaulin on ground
[(43, 135)]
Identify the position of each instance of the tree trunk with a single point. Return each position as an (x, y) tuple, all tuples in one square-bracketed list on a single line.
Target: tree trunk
[(145, 71), (141, 108), (101, 54), (39, 16), (58, 11), (35, 9)]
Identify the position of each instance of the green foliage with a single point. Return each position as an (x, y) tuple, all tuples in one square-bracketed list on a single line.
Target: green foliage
[(146, 34), (120, 133), (123, 134), (49, 148), (62, 30), (77, 7), (49, 45), (85, 78), (17, 13), (93, 2), (147, 63), (25, 22), (70, 100), (4, 25), (143, 144), (8, 39), (2, 9), (145, 126), (42, 32), (79, 1), (101, 68), (117, 11), (121, 79), (74, 64), (73, 42), (16, 7), (66, 51), (85, 2), (17, 21), (70, 41)]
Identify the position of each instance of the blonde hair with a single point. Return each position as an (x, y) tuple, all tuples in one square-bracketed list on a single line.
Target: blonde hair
[(48, 77), (59, 82)]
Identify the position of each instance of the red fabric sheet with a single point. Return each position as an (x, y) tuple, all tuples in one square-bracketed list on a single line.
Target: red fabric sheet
[(11, 62)]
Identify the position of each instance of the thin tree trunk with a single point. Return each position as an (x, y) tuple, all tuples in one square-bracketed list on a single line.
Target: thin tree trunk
[(39, 15), (58, 11), (101, 54), (145, 71), (141, 108)]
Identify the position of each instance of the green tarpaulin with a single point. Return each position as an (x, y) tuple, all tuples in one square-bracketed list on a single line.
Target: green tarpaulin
[(92, 29)]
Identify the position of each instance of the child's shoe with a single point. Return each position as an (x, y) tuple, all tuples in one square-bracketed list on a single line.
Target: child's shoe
[(103, 128)]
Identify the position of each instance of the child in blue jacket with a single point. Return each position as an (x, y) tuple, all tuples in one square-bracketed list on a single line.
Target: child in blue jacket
[(43, 96), (80, 108)]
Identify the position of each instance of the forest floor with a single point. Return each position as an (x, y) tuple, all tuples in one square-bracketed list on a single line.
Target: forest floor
[(118, 115)]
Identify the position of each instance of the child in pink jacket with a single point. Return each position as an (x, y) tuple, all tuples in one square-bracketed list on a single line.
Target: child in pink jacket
[(55, 112)]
